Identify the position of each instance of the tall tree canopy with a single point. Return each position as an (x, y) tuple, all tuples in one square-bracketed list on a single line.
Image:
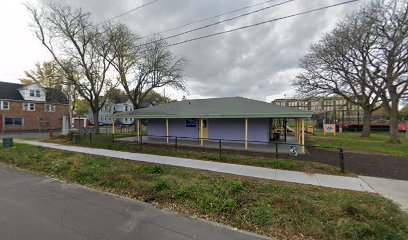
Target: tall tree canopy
[(78, 47), (363, 60), (144, 67)]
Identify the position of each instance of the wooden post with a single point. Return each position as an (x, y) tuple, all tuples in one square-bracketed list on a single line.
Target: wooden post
[(296, 130), (303, 132), (246, 133), (167, 130), (138, 129), (201, 131), (113, 126)]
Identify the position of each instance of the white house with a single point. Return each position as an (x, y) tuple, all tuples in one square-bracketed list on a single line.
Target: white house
[(122, 104)]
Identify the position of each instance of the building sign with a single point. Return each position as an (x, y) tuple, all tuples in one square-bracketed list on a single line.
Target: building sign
[(191, 123), (329, 128)]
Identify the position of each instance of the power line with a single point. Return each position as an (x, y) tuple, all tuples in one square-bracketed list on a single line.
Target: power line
[(125, 13), (209, 18), (261, 23), (219, 22)]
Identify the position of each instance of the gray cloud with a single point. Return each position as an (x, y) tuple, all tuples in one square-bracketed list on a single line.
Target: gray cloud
[(256, 62)]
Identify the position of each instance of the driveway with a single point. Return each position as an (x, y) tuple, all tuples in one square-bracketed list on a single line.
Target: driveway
[(38, 207)]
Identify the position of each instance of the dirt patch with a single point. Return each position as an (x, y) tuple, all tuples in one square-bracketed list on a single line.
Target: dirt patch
[(375, 165)]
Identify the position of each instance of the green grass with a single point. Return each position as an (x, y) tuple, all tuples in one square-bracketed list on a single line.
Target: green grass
[(377, 143), (285, 211), (105, 141)]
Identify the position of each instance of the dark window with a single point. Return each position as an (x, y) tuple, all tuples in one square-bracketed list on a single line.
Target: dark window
[(13, 122), (32, 93), (37, 93), (8, 121), (18, 121)]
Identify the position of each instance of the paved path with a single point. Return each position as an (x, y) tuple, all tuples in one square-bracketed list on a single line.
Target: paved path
[(339, 182), (396, 190), (37, 207)]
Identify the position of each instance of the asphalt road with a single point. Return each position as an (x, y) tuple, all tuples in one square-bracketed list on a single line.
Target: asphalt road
[(38, 207)]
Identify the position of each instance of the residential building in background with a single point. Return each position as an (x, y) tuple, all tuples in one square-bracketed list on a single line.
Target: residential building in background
[(118, 104), (31, 107)]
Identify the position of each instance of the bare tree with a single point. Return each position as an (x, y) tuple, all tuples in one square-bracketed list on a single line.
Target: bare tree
[(78, 47), (389, 59), (145, 67), (339, 65)]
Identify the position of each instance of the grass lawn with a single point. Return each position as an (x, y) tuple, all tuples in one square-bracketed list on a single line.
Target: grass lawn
[(105, 141), (285, 211), (377, 143)]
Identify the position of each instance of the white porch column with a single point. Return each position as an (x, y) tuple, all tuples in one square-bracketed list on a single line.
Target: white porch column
[(138, 130), (303, 132), (246, 133), (113, 125), (296, 130), (201, 131), (167, 130)]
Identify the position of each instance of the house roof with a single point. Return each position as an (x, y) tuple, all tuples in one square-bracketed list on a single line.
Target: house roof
[(10, 91), (230, 107), (121, 99)]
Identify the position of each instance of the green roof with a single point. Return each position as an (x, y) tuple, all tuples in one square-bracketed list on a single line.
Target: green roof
[(229, 107)]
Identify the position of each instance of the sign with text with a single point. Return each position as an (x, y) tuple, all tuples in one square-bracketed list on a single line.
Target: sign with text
[(329, 128), (191, 123)]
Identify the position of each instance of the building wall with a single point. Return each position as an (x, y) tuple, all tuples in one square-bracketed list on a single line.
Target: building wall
[(258, 130), (35, 120), (156, 127), (228, 129), (234, 129), (177, 127)]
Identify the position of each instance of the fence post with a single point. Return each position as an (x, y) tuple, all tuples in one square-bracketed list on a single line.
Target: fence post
[(141, 141), (341, 158), (220, 147), (90, 137), (175, 143), (276, 151)]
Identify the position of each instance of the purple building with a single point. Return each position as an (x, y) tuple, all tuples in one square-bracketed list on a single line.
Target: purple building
[(232, 118)]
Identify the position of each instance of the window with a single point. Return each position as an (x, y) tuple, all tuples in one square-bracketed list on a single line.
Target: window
[(126, 108), (29, 107), (49, 108), (37, 93), (13, 122), (32, 93), (4, 105)]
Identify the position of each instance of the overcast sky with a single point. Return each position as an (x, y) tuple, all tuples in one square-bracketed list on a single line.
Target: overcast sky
[(257, 63)]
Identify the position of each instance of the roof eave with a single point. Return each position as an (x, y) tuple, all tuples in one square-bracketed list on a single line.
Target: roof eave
[(263, 115)]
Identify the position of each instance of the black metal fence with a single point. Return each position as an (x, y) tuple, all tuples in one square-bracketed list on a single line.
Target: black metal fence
[(278, 149)]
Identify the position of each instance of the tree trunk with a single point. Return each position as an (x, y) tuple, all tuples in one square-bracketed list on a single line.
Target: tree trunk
[(96, 121), (394, 134), (366, 123)]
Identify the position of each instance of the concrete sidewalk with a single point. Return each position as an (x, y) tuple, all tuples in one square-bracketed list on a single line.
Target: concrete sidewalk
[(339, 182), (396, 190)]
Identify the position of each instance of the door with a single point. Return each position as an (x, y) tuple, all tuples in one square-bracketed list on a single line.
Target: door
[(1, 123), (203, 128)]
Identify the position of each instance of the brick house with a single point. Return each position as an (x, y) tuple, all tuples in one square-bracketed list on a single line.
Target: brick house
[(31, 107)]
